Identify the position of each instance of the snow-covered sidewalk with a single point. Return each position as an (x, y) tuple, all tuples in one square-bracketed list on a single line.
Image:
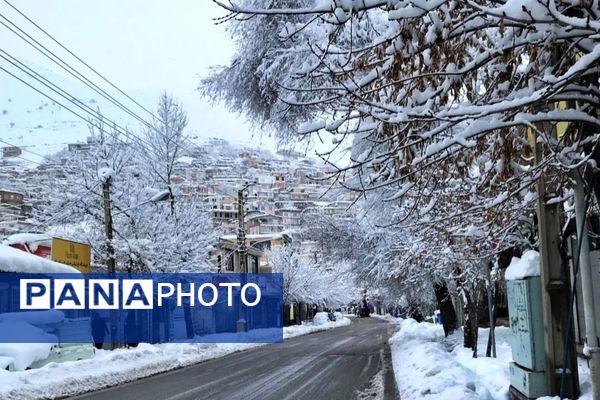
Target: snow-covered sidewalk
[(109, 368), (429, 366)]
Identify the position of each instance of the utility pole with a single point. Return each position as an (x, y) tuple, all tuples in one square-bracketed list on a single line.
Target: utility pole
[(555, 288), (115, 318), (241, 237), (587, 291), (108, 226)]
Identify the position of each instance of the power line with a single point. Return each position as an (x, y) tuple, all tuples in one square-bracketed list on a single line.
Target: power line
[(68, 68), (78, 75), (129, 111), (79, 59), (70, 98), (57, 102)]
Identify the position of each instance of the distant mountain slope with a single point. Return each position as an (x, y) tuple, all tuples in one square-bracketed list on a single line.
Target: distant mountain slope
[(42, 126)]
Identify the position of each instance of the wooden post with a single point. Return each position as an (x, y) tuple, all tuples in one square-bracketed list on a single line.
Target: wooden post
[(555, 290)]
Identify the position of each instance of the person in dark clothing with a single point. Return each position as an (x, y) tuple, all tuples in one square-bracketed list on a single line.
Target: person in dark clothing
[(131, 329), (99, 329)]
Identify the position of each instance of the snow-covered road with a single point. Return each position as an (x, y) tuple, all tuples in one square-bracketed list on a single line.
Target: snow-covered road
[(349, 362), (111, 368)]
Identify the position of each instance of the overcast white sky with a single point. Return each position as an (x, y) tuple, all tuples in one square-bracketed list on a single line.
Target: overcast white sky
[(144, 46)]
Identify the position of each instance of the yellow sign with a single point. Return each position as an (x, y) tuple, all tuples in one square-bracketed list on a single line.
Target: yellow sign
[(75, 254)]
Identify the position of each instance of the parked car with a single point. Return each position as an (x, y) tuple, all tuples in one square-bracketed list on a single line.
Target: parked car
[(51, 323)]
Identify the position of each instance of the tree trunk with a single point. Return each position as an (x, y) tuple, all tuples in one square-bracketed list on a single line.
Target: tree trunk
[(491, 338), (470, 328), (446, 307)]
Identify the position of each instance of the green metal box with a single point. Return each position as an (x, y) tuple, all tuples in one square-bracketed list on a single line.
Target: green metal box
[(526, 324), (531, 384)]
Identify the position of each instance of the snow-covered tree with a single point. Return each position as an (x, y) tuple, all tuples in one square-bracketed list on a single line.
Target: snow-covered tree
[(149, 235), (304, 281), (452, 110), (444, 86), (165, 141)]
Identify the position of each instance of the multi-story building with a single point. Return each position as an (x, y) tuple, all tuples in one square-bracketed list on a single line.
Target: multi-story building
[(13, 212)]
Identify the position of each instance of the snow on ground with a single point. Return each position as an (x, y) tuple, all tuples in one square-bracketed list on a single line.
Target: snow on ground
[(109, 368), (429, 366), (306, 328), (388, 318)]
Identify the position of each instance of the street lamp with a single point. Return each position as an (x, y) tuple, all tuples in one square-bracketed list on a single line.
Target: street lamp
[(160, 196)]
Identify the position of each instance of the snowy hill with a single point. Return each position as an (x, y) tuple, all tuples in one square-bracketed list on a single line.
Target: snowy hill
[(42, 126)]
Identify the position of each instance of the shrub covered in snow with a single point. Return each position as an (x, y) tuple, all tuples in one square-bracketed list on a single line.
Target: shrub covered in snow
[(320, 318)]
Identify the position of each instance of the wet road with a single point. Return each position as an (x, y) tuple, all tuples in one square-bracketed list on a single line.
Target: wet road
[(351, 362)]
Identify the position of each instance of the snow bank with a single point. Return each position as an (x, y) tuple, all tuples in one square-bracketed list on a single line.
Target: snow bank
[(429, 366), (110, 368), (527, 265), (493, 373), (23, 355), (320, 318), (15, 260), (107, 368), (306, 328), (388, 318)]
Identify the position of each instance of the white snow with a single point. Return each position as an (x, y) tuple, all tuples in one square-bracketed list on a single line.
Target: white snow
[(306, 328), (109, 368), (429, 366), (320, 318), (105, 173), (32, 240), (185, 160), (388, 318), (23, 355), (15, 260), (159, 196), (527, 265)]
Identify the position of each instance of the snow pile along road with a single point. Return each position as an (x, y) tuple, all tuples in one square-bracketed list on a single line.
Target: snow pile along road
[(317, 326), (429, 366), (109, 368)]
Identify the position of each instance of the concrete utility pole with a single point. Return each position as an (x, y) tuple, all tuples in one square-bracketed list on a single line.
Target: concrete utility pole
[(555, 289), (241, 238), (587, 290), (108, 226)]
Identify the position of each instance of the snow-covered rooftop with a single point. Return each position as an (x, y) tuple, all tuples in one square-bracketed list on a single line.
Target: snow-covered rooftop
[(14, 260), (32, 240)]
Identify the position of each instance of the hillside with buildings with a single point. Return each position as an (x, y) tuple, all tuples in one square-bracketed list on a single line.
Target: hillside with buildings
[(281, 192)]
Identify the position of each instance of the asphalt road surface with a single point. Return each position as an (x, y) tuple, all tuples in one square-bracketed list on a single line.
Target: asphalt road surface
[(351, 362)]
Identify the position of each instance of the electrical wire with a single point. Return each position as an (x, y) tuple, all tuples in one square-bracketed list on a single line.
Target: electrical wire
[(67, 67), (68, 97), (79, 59), (93, 86), (94, 114)]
